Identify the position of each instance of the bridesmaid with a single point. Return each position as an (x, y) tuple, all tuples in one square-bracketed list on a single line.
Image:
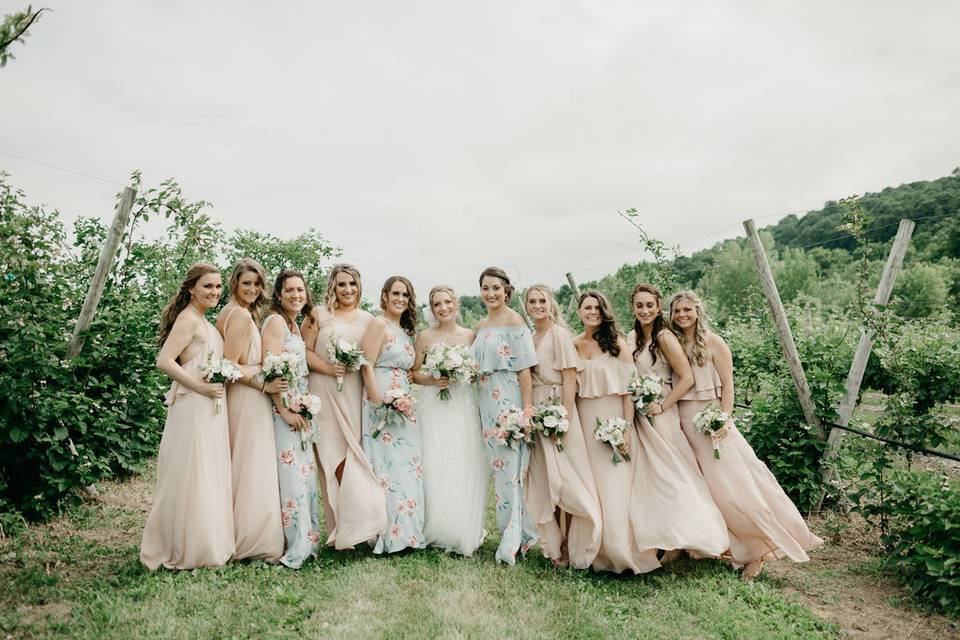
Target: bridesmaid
[(256, 509), (607, 369), (504, 350), (560, 489), (191, 522), (455, 472), (352, 498), (395, 454), (672, 507), (764, 524), (296, 469)]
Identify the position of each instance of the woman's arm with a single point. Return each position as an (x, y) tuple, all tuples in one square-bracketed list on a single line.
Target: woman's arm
[(184, 328), (371, 344), (568, 390), (309, 329), (525, 379), (671, 349), (421, 345), (236, 342), (723, 361), (272, 334)]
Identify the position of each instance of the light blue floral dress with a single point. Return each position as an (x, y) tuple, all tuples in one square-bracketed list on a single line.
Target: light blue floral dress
[(395, 454), (296, 471), (501, 352)]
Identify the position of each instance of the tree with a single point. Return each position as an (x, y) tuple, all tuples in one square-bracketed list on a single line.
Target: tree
[(13, 28)]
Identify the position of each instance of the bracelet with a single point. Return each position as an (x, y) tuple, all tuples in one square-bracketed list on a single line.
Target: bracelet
[(262, 385)]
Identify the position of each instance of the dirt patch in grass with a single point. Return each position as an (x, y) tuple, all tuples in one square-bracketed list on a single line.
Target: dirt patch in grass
[(843, 584)]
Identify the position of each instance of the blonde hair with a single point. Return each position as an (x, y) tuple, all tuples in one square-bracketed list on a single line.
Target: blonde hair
[(441, 288), (330, 297), (697, 350), (553, 309), (249, 265)]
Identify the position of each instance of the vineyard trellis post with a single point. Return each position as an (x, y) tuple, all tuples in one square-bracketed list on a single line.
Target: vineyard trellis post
[(92, 299), (784, 334), (103, 270), (862, 355)]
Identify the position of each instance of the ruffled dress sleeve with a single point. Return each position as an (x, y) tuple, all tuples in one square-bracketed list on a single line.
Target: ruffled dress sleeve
[(604, 376), (505, 349), (565, 354)]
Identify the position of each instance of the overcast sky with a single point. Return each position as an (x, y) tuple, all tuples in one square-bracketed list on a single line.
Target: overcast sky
[(434, 138)]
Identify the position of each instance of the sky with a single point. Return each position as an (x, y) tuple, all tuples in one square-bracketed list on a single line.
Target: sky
[(434, 138)]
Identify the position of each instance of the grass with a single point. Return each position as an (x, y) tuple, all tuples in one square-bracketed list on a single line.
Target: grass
[(79, 577)]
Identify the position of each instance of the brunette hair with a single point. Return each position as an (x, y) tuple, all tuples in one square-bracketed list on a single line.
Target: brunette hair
[(408, 319), (497, 272), (330, 297), (607, 333), (553, 309), (276, 306), (249, 265), (659, 323), (697, 350), (181, 299)]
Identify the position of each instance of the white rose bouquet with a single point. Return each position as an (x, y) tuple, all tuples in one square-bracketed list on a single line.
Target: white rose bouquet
[(709, 421), (307, 406), (347, 353), (452, 361), (220, 370), (645, 389), (612, 432), (550, 419)]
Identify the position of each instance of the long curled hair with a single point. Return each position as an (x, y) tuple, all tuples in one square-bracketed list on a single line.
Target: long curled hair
[(659, 323), (553, 309), (408, 319), (607, 333), (431, 316), (276, 306), (697, 349), (181, 299), (497, 272), (330, 297), (249, 265)]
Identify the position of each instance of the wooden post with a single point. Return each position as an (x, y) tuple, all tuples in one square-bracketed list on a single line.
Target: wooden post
[(103, 269), (90, 303), (783, 328), (573, 286), (862, 355)]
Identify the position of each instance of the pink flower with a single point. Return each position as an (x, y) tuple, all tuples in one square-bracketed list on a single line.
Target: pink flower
[(387, 437), (313, 537), (400, 507), (383, 481), (483, 378), (413, 541), (419, 470), (286, 456), (395, 531), (504, 350), (495, 394), (497, 464), (290, 504), (411, 503), (285, 519)]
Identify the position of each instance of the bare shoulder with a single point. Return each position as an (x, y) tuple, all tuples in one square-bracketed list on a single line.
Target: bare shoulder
[(482, 324), (188, 321), (273, 324), (515, 319), (668, 337), (717, 345)]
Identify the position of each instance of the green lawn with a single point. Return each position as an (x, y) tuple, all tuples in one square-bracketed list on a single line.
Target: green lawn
[(79, 577)]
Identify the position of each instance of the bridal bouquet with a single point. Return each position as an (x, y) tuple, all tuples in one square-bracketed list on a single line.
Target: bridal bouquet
[(397, 405), (612, 432), (550, 419), (220, 370), (349, 354), (511, 429), (710, 420), (307, 406), (645, 389), (453, 361), (280, 365)]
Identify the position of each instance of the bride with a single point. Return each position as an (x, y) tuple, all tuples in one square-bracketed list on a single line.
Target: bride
[(455, 475)]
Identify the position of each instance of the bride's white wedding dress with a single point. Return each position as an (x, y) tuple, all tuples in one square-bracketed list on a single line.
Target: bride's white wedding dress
[(454, 468)]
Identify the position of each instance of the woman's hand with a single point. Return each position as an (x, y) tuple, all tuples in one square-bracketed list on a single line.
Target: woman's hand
[(338, 369), (722, 432), (442, 383), (374, 398), (295, 420), (277, 385), (654, 409), (212, 390)]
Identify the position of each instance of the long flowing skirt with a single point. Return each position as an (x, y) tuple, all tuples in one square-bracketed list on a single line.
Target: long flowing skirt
[(299, 508), (191, 522), (763, 522), (455, 470), (353, 506), (256, 492)]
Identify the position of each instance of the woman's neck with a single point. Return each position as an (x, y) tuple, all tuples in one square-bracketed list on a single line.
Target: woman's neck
[(543, 325), (391, 317), (646, 331), (447, 326)]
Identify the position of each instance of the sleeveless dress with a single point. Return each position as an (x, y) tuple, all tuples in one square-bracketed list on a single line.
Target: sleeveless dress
[(603, 383), (671, 506), (191, 522), (455, 471), (562, 479), (296, 470), (763, 523), (256, 503), (395, 454), (501, 352), (353, 505)]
